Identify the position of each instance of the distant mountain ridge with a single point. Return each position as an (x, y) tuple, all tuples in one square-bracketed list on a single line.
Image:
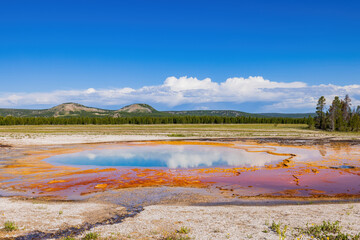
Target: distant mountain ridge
[(139, 109), (223, 113), (289, 115)]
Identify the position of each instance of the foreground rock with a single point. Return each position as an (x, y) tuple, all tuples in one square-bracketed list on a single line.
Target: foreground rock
[(25, 217), (30, 217), (230, 222)]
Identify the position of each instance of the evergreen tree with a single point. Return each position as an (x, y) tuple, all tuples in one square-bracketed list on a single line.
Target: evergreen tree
[(355, 122), (346, 108), (320, 118), (311, 123), (346, 113), (336, 118)]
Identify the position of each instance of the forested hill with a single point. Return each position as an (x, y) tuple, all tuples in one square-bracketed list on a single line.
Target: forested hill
[(133, 110), (62, 110), (222, 113), (288, 115)]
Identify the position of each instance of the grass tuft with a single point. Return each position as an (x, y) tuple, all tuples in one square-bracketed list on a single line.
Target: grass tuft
[(179, 234), (276, 227), (69, 238), (176, 135), (183, 230), (91, 236), (329, 230), (10, 226)]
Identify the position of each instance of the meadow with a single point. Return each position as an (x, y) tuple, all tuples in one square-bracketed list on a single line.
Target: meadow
[(176, 130)]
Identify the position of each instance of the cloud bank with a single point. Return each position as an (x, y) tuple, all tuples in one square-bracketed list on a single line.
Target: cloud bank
[(277, 96)]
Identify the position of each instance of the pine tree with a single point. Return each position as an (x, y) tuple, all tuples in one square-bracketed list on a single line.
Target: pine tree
[(335, 114), (346, 113), (320, 118), (355, 123), (311, 122), (346, 108)]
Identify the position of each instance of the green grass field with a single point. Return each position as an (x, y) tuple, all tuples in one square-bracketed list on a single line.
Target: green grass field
[(185, 130)]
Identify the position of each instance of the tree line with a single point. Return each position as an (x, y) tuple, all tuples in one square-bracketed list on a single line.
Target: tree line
[(339, 116), (10, 120)]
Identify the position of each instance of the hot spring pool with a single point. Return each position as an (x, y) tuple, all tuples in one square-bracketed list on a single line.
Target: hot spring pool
[(166, 156), (236, 169)]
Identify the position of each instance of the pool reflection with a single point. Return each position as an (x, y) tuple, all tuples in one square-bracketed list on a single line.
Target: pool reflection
[(166, 156)]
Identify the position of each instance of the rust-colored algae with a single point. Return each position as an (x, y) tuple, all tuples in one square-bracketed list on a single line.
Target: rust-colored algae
[(294, 176)]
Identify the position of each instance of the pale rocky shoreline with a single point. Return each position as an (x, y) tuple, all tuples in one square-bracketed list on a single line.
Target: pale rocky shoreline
[(231, 222), (74, 139), (33, 215), (160, 221), (50, 139)]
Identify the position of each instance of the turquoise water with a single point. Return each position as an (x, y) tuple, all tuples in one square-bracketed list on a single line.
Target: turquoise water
[(165, 156)]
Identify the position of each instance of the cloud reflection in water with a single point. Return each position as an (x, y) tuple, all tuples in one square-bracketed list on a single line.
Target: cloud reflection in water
[(169, 156)]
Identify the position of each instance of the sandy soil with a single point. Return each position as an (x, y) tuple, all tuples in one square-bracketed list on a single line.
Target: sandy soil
[(75, 134), (230, 222), (68, 139), (48, 139), (160, 221), (34, 215)]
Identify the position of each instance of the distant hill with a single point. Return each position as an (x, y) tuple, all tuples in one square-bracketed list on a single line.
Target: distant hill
[(288, 115), (75, 109), (224, 113), (138, 109), (62, 110), (19, 112)]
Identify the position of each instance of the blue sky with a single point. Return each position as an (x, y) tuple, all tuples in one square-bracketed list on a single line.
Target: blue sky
[(112, 53)]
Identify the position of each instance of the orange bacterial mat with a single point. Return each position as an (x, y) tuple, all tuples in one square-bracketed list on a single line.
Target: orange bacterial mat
[(236, 169)]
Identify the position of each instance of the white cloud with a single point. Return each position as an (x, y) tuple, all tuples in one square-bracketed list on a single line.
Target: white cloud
[(185, 83), (277, 96), (90, 90)]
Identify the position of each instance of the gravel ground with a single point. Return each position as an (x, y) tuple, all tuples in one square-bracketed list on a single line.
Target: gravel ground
[(161, 221), (230, 222), (42, 139), (74, 134), (32, 215)]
